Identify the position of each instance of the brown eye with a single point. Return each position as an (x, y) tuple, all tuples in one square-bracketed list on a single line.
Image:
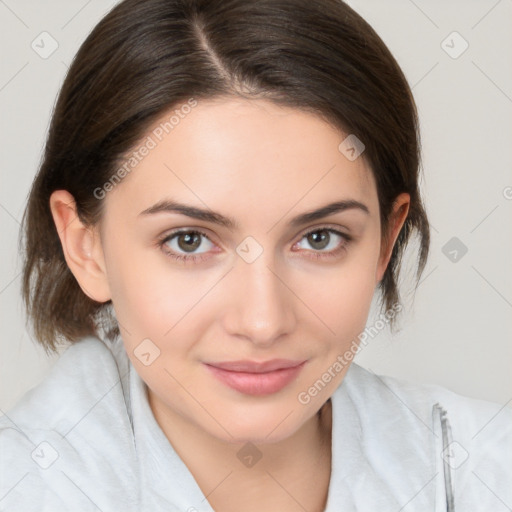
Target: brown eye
[(319, 239), (324, 243), (185, 244), (189, 241)]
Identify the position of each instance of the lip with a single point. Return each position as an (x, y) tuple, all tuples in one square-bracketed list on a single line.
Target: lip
[(257, 378), (256, 366)]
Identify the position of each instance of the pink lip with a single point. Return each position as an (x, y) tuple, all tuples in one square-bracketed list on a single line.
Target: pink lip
[(255, 366), (255, 378)]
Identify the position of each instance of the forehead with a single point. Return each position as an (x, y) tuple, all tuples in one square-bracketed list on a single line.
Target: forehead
[(247, 154)]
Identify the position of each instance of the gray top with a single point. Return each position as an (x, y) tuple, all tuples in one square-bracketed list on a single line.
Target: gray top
[(85, 439)]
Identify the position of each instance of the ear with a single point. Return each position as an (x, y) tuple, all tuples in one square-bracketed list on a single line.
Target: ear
[(396, 220), (81, 246)]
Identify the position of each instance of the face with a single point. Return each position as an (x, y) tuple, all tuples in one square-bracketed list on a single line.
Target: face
[(252, 278)]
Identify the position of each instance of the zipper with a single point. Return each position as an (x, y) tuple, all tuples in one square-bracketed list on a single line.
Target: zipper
[(445, 501)]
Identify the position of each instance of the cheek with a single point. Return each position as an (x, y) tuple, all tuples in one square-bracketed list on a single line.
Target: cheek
[(344, 312), (151, 296), (341, 295), (137, 288)]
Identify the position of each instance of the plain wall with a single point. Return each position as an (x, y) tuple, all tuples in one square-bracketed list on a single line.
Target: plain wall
[(457, 332)]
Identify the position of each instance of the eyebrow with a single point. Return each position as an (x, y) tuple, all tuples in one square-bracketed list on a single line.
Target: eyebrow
[(206, 215)]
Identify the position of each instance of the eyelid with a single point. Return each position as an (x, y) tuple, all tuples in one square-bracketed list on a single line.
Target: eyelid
[(328, 227), (302, 233), (172, 233)]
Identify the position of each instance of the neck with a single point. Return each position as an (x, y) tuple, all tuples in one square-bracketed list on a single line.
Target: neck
[(298, 463)]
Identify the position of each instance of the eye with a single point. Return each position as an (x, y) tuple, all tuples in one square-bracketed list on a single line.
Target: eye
[(182, 245), (326, 242)]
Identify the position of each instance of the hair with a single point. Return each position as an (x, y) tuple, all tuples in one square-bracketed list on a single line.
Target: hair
[(147, 56)]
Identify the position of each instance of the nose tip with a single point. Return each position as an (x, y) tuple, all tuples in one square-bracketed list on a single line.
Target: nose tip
[(261, 306)]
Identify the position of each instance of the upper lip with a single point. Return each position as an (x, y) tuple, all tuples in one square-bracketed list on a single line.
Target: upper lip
[(255, 366)]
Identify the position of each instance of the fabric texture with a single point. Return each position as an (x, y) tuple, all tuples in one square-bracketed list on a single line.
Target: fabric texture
[(85, 439)]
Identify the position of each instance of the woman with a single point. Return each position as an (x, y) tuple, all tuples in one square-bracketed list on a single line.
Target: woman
[(224, 186)]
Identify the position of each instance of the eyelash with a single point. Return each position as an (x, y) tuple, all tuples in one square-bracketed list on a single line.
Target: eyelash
[(197, 258)]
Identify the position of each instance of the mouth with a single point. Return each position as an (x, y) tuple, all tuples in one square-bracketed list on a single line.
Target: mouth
[(255, 378)]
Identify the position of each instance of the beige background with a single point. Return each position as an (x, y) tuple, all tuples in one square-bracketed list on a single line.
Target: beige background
[(458, 330)]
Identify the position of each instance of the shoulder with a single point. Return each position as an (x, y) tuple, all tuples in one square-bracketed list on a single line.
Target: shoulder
[(467, 438), (417, 400), (80, 373), (64, 430)]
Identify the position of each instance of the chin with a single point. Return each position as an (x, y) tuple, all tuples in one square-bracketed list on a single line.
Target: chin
[(258, 425)]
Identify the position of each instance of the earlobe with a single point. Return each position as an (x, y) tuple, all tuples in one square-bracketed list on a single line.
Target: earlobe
[(81, 246), (397, 219)]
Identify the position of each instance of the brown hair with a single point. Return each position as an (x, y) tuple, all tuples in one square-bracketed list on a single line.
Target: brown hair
[(146, 56)]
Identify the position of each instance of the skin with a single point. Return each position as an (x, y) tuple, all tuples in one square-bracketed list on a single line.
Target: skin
[(262, 165)]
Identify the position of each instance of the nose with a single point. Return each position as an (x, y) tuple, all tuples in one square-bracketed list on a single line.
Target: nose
[(261, 305)]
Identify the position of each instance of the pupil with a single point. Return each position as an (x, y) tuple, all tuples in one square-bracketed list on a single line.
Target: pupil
[(319, 239), (192, 241)]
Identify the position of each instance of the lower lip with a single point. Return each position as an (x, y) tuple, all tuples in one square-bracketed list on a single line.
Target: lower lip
[(257, 383)]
